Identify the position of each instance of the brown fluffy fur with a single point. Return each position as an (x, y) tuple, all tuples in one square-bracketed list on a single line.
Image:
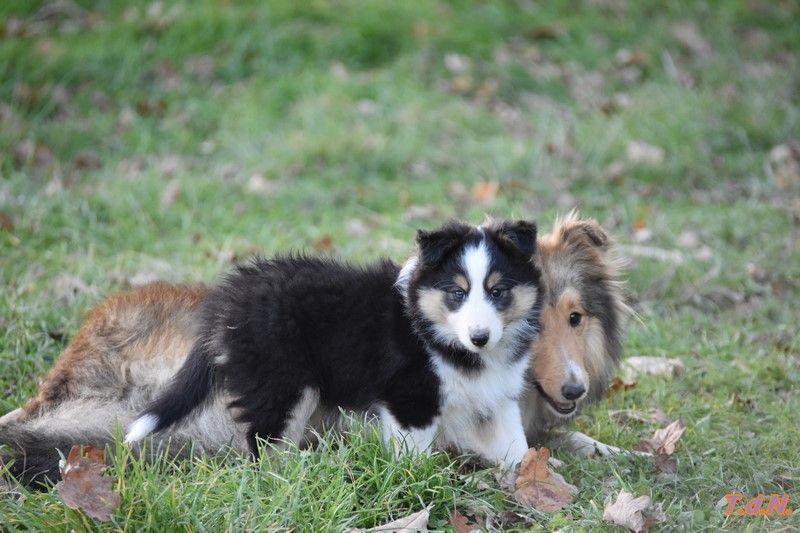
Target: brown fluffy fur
[(578, 264), (119, 342)]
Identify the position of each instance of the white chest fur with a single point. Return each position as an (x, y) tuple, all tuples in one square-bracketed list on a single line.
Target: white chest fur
[(477, 405)]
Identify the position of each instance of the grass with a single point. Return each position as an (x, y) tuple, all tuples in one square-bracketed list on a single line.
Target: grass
[(130, 134)]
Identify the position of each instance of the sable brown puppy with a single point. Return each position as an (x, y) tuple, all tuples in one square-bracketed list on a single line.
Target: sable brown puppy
[(582, 319), (127, 350)]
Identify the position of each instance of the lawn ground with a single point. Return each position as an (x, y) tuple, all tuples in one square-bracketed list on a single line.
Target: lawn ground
[(158, 140)]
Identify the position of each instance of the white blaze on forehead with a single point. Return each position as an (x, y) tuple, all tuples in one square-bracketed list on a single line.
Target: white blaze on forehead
[(476, 313), (475, 263)]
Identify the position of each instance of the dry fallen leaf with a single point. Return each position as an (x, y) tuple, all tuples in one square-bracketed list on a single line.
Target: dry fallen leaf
[(356, 227), (625, 57), (785, 162), (456, 63), (688, 239), (324, 243), (461, 524), (67, 287), (651, 416), (258, 184), (508, 520), (666, 464), (170, 194), (538, 486), (407, 524), (644, 153), (6, 222), (29, 152), (419, 212), (652, 252), (546, 32), (653, 366), (485, 191), (688, 35), (461, 84), (635, 514), (87, 160), (617, 384), (83, 485), (664, 440)]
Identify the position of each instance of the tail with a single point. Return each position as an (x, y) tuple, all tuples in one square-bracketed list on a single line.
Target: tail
[(30, 449), (190, 387)]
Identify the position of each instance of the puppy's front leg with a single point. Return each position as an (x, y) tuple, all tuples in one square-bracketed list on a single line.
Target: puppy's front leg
[(407, 439), (501, 438)]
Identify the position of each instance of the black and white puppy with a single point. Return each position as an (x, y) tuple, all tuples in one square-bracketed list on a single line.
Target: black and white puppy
[(438, 348)]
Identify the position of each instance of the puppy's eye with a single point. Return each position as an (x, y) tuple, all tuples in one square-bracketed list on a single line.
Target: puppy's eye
[(575, 319), (458, 294), (497, 292)]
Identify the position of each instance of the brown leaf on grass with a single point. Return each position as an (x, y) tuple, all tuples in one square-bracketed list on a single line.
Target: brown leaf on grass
[(538, 486), (617, 384), (785, 162), (653, 366), (635, 514), (420, 212), (666, 464), (83, 485), (653, 252), (645, 154), (546, 32), (625, 57), (461, 84), (87, 160), (356, 227), (651, 416), (416, 522), (688, 35), (664, 439), (258, 184), (324, 243), (485, 191), (461, 524), (6, 222), (169, 165), (200, 68), (688, 239), (506, 520), (151, 107), (456, 63), (744, 403), (67, 287), (29, 152), (170, 194)]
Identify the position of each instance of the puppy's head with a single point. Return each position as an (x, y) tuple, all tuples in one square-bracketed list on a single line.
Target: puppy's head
[(579, 344), (470, 284)]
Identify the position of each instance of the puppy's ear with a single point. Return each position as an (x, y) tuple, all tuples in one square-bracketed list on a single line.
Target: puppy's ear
[(521, 234), (584, 232), (435, 245)]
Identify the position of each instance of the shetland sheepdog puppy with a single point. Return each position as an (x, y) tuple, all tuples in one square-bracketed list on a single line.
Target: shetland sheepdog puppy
[(582, 324), (438, 350)]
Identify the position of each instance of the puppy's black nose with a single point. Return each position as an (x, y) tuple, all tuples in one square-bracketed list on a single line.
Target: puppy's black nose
[(479, 337), (572, 391)]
